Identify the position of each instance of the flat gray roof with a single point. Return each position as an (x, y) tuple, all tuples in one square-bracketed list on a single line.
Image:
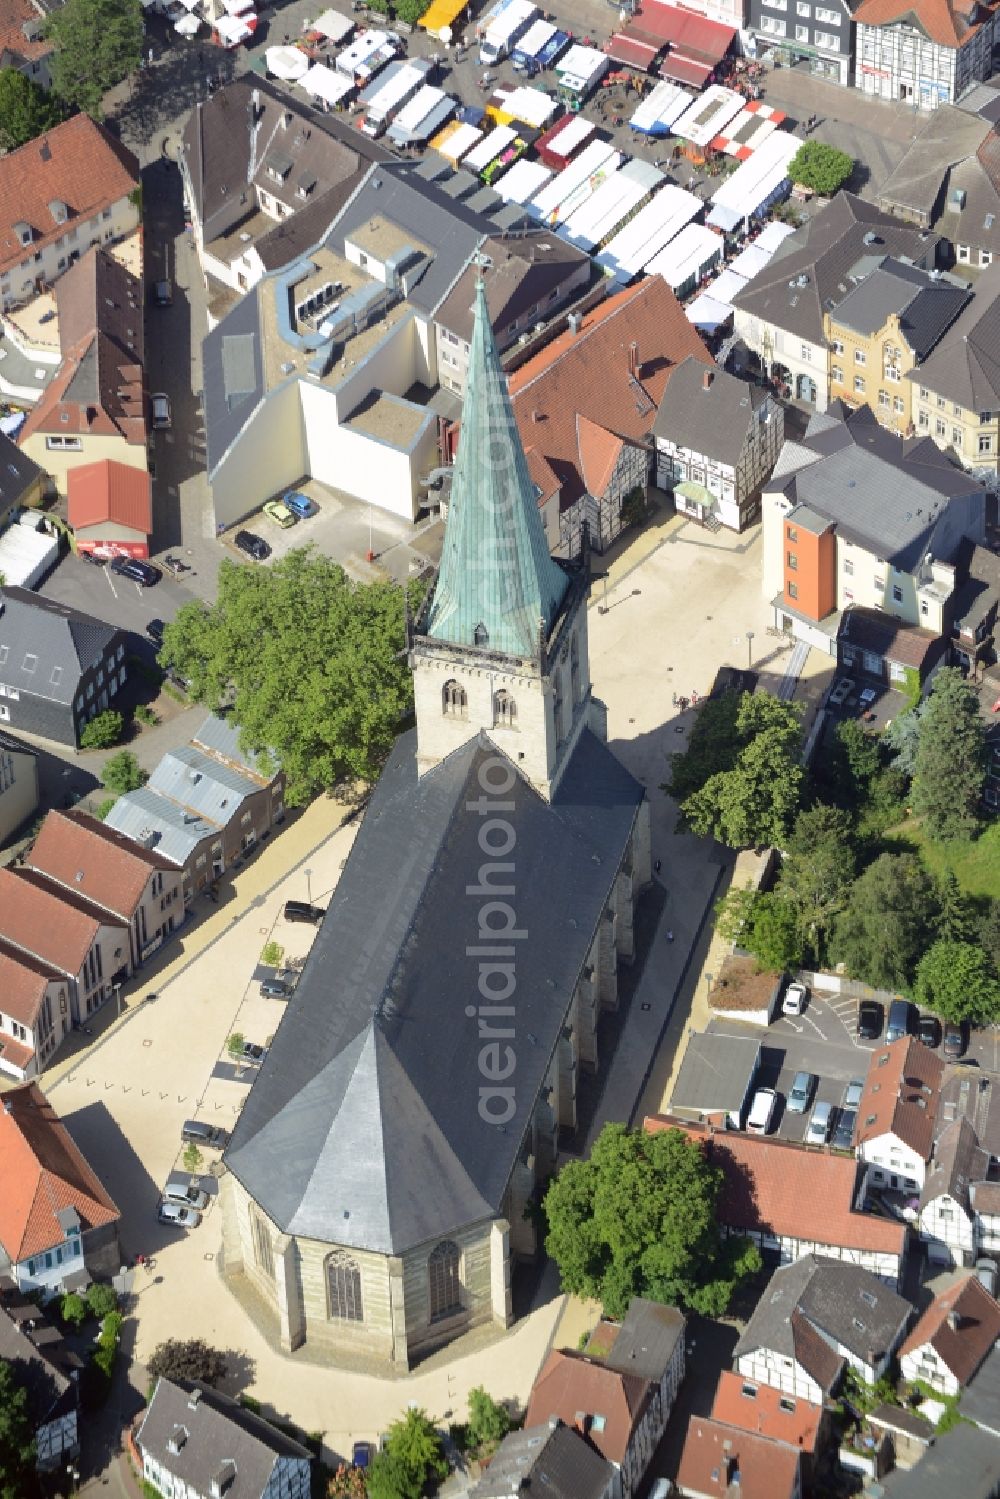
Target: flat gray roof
[(715, 1075)]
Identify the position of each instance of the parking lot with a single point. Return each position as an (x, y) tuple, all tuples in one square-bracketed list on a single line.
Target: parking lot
[(98, 591)]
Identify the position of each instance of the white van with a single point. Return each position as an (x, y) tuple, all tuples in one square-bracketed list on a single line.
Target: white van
[(762, 1109)]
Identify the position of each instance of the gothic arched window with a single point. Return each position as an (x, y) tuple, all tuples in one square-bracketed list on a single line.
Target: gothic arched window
[(454, 701), (445, 1283), (343, 1288), (504, 710), (262, 1250), (480, 635)]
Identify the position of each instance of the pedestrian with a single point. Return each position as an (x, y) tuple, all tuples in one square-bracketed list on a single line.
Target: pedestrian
[(658, 865), (670, 936)]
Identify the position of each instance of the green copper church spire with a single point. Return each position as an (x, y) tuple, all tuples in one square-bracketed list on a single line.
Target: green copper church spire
[(497, 584)]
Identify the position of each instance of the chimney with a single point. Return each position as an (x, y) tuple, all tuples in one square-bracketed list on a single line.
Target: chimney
[(573, 322), (954, 1321), (706, 379), (193, 1399), (536, 415), (633, 360)]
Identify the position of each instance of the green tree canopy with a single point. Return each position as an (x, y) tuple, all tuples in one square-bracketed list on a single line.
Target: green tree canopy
[(413, 1455), (821, 167), (713, 745), (951, 759), (187, 1358), (856, 759), (312, 663), (489, 1421), (638, 1219), (98, 43), (764, 924), (902, 737), (122, 772), (17, 1440), (958, 982), (410, 10), (755, 802), (103, 731), (25, 109), (818, 870), (989, 932), (956, 919), (888, 923)]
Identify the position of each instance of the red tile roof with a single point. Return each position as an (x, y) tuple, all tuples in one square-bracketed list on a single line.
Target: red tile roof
[(963, 1347), (598, 451), (586, 374), (767, 1411), (80, 164), (16, 1052), (94, 861), (23, 982), (46, 923), (13, 42), (570, 1384), (780, 1188), (714, 1453), (542, 475), (41, 1172), (950, 23), (901, 1095), (113, 493)]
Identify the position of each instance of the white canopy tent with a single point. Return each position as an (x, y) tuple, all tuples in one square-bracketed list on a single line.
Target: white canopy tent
[(188, 26), (333, 25), (232, 30), (287, 63), (521, 181), (323, 83)]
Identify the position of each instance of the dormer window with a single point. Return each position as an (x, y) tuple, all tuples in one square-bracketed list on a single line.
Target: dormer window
[(59, 211), (176, 1439), (223, 1480), (24, 232)]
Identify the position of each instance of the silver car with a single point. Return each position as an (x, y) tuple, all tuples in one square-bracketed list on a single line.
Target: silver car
[(819, 1124), (178, 1216), (801, 1091), (189, 1197), (852, 1093)]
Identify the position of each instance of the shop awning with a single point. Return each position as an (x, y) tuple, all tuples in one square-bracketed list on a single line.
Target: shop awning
[(685, 70), (691, 34), (631, 53), (725, 219)]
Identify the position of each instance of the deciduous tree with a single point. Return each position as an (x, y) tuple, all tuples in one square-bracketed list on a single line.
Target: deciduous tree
[(413, 1455), (888, 922), (312, 663), (17, 1441), (755, 802), (821, 167), (764, 924), (820, 864), (98, 43), (122, 772), (639, 1219), (103, 731), (951, 762), (189, 1358), (956, 921), (25, 109), (713, 745), (958, 982), (489, 1422)]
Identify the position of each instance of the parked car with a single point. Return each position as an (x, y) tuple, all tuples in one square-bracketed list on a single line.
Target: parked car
[(160, 406), (252, 1052), (278, 512), (852, 1093), (154, 632), (929, 1030), (795, 998), (819, 1124), (986, 1273), (161, 293), (300, 503), (134, 568), (901, 1020), (842, 691), (870, 1018), (177, 1215), (197, 1132), (956, 1039), (801, 1091), (189, 1197), (843, 1130), (254, 546), (761, 1115), (276, 989), (300, 910)]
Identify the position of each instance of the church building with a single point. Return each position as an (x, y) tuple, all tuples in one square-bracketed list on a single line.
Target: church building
[(410, 1104)]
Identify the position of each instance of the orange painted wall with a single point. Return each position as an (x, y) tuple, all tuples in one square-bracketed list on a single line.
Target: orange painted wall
[(814, 577)]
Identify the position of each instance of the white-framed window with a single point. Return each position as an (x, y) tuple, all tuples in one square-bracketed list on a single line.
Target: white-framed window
[(59, 444), (940, 403), (964, 254), (838, 346), (828, 17), (859, 384), (924, 393), (939, 427), (772, 26), (883, 399), (923, 420), (956, 436), (985, 442), (897, 594), (898, 405), (802, 33), (805, 349), (986, 257), (837, 374), (803, 8), (827, 40), (860, 357), (956, 409)]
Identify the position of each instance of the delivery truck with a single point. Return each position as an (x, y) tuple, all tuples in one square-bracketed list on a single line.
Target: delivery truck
[(505, 31), (384, 98)]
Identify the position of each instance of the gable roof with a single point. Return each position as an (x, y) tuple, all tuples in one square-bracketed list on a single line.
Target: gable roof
[(551, 1461), (950, 135), (901, 1095), (646, 1341), (958, 1161), (354, 1132), (713, 419), (585, 375), (779, 1188), (58, 643), (715, 1453), (762, 1409), (24, 981), (42, 1172), (924, 305), (949, 23), (94, 861), (160, 823), (523, 274), (496, 572), (965, 366), (815, 1303), (18, 473), (79, 164), (571, 1383), (964, 1346), (598, 451), (17, 19), (825, 251), (98, 389), (50, 1390), (213, 1431), (109, 493), (49, 923), (964, 1460)]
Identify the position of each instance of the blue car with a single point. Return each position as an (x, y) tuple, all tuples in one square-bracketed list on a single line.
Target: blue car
[(299, 504)]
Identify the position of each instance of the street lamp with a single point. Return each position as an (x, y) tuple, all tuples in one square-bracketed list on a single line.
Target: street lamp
[(309, 893), (118, 1001), (749, 650), (708, 981)]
